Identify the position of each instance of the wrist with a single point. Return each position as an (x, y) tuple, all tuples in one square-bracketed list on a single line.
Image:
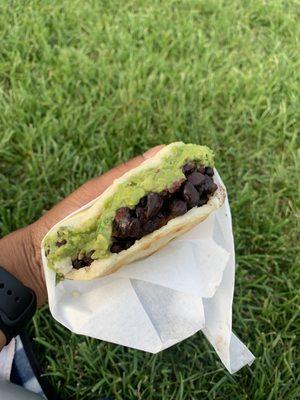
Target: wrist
[(20, 255), (32, 249)]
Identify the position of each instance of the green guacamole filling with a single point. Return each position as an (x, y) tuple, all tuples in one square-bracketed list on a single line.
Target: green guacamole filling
[(96, 234)]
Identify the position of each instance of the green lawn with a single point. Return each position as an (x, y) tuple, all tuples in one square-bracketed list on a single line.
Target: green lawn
[(85, 85)]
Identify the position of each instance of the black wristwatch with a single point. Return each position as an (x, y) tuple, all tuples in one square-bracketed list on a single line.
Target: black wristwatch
[(17, 305)]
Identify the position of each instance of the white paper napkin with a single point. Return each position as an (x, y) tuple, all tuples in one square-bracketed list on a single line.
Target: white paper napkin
[(156, 302)]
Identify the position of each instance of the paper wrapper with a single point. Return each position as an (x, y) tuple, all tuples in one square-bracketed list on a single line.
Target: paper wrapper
[(156, 302)]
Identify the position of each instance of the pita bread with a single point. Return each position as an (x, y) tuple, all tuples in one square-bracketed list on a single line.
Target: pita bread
[(142, 247)]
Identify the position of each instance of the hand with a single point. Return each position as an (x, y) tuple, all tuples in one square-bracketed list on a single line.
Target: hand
[(20, 251)]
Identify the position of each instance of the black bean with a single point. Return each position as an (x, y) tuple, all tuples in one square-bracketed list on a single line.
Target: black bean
[(209, 171), (160, 220), (141, 214), (132, 228), (154, 204), (200, 189), (85, 261), (203, 200), (196, 178), (116, 231), (116, 247), (77, 264), (126, 227), (148, 227), (213, 188), (121, 214), (190, 195), (176, 186), (143, 201), (165, 194), (61, 243), (209, 185), (177, 207), (201, 169), (128, 243), (188, 168)]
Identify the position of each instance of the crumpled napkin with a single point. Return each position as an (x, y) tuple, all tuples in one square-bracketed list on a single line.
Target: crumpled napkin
[(163, 299)]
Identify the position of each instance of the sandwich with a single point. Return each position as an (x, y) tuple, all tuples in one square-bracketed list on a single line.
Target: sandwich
[(138, 214)]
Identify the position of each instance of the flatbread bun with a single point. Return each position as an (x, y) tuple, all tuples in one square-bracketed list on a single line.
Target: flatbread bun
[(147, 244)]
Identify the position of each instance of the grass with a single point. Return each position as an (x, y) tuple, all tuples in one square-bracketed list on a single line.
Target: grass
[(85, 85)]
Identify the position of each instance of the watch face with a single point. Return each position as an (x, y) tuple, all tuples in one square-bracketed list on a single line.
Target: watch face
[(17, 304), (14, 300)]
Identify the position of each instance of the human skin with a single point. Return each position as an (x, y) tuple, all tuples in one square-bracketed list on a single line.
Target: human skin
[(20, 251)]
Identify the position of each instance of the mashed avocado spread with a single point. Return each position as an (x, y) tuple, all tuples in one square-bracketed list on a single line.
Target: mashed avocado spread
[(95, 234)]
